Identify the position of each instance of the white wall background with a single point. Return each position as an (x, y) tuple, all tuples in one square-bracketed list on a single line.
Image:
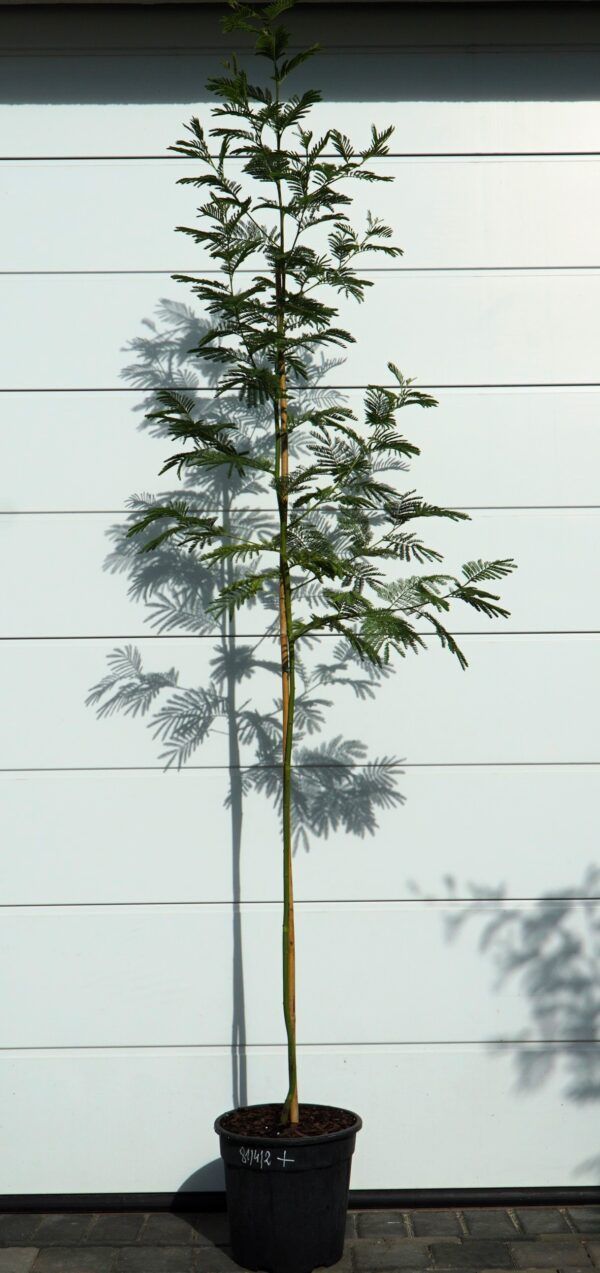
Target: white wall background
[(122, 1029)]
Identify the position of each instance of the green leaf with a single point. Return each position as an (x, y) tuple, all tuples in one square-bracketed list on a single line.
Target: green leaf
[(178, 521), (240, 592), (475, 571), (483, 602), (446, 639)]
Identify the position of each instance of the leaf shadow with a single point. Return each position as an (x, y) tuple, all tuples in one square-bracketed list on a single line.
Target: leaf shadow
[(336, 786), (551, 949)]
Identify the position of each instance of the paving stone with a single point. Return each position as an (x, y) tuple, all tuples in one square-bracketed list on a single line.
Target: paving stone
[(213, 1260), (17, 1259), (209, 1228), (536, 1220), (492, 1222), (381, 1224), (62, 1230), (551, 1253), (18, 1229), (68, 1259), (218, 1260), (390, 1253), (586, 1219), (435, 1224), (119, 1228), (197, 1242), (164, 1227), (345, 1265), (153, 1259), (472, 1253)]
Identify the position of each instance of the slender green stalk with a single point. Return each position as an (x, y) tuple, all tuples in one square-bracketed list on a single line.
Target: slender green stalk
[(289, 1112), (290, 1109), (238, 1032)]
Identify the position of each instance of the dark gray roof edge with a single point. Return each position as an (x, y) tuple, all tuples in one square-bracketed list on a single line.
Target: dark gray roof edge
[(102, 4)]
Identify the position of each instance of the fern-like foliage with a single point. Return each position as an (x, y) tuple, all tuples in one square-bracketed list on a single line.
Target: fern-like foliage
[(275, 226), (329, 543), (332, 527)]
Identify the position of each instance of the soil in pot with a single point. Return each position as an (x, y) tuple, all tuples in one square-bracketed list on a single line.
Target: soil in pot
[(263, 1120)]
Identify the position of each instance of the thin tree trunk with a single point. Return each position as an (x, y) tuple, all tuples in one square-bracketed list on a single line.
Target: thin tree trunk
[(290, 1113), (238, 1025)]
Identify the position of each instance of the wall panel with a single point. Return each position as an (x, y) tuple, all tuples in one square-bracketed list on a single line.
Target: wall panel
[(148, 976), (478, 448), (445, 213), (435, 1099), (61, 574), (117, 836), (512, 328), (119, 938), (524, 699)]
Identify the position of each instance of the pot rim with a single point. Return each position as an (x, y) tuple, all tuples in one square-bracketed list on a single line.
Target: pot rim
[(297, 1141)]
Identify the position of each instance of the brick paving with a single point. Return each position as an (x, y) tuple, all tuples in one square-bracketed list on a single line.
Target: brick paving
[(475, 1239)]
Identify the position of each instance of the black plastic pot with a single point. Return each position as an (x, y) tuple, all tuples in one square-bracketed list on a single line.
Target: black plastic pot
[(287, 1197)]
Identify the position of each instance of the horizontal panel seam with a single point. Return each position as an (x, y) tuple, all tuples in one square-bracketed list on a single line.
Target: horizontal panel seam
[(207, 392), (208, 271), (400, 765), (254, 509), (356, 903), (407, 155), (167, 637), (579, 268), (368, 1044)]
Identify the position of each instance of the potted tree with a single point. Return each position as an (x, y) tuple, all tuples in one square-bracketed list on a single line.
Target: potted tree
[(340, 554)]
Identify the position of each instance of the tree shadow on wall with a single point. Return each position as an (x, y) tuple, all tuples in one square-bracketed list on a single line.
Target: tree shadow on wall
[(335, 787), (552, 950)]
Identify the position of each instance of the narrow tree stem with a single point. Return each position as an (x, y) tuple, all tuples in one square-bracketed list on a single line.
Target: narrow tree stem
[(238, 1031), (290, 1111)]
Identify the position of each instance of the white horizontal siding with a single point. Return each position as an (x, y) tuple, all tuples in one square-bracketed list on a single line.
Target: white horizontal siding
[(116, 878), (367, 973), (523, 700), (479, 448), (75, 594), (444, 213), (73, 838), (512, 330), (141, 1120)]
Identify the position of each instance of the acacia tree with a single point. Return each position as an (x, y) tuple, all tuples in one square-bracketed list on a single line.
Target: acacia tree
[(337, 558)]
